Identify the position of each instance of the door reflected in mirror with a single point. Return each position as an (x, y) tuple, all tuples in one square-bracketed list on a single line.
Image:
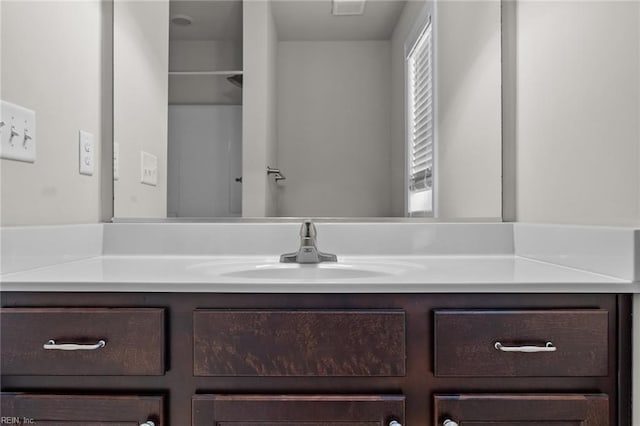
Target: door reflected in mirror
[(308, 108)]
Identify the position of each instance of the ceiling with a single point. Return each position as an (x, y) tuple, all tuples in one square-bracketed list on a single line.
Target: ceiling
[(312, 20), (221, 20)]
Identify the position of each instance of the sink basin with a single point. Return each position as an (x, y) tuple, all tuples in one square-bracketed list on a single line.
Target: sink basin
[(296, 271), (274, 270)]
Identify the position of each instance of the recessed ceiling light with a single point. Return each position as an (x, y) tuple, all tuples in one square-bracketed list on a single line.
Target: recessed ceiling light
[(348, 7), (182, 20)]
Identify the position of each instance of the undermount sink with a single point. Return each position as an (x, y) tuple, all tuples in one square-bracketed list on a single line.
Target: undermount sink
[(296, 271), (274, 270)]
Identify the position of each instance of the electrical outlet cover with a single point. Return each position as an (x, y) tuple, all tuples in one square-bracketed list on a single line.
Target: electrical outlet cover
[(17, 133), (148, 169), (86, 149), (116, 161)]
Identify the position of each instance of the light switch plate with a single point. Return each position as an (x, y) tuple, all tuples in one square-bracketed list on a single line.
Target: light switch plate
[(116, 161), (86, 149), (148, 169), (18, 133)]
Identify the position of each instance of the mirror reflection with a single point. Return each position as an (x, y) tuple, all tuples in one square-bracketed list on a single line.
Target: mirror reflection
[(307, 108)]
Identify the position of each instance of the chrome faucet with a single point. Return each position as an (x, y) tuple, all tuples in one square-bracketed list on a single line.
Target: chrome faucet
[(308, 252)]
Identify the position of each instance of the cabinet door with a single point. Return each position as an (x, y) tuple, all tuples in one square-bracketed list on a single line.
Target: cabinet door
[(521, 410), (59, 410), (291, 410)]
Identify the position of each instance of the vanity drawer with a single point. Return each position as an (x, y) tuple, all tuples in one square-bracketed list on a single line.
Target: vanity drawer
[(522, 409), (299, 343), (67, 341), (552, 343), (81, 410), (297, 410)]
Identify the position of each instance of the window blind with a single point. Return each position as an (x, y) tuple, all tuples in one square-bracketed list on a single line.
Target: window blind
[(420, 116)]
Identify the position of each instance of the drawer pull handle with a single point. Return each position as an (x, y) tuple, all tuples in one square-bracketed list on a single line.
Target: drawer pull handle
[(148, 423), (52, 345), (449, 422), (395, 423), (548, 347)]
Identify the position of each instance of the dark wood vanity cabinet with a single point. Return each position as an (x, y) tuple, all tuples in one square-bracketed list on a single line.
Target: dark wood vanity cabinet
[(309, 343), (318, 359), (295, 410), (81, 410), (108, 341), (522, 410), (521, 343)]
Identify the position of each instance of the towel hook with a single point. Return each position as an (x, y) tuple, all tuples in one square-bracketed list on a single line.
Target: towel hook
[(277, 174)]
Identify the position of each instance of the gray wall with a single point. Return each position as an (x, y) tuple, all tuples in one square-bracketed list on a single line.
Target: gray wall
[(205, 55), (259, 135), (51, 62), (140, 93), (205, 156), (468, 107), (468, 98), (578, 110), (334, 117)]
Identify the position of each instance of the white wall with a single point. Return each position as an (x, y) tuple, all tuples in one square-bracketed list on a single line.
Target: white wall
[(141, 64), (468, 102), (51, 62), (258, 99), (578, 109), (205, 156), (334, 127)]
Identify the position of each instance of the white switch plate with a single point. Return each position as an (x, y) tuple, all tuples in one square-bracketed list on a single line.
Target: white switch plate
[(148, 169), (86, 148), (18, 133), (116, 161)]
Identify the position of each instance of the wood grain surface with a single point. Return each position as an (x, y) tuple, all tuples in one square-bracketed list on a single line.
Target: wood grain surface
[(98, 410), (465, 343), (134, 341), (316, 410), (418, 385), (299, 343), (513, 410)]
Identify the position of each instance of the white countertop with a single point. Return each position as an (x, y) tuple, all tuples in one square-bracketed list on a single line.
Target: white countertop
[(406, 274)]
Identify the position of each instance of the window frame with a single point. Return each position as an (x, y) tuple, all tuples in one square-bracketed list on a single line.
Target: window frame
[(425, 19)]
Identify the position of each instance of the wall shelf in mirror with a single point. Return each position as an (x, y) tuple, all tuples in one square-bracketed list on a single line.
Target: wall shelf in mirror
[(205, 73)]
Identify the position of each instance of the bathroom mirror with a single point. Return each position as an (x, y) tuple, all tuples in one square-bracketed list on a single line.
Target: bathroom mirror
[(307, 108)]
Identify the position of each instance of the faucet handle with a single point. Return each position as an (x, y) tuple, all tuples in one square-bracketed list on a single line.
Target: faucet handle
[(308, 230)]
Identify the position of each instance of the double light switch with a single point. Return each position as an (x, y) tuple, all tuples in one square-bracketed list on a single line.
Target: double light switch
[(17, 133), (148, 169)]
